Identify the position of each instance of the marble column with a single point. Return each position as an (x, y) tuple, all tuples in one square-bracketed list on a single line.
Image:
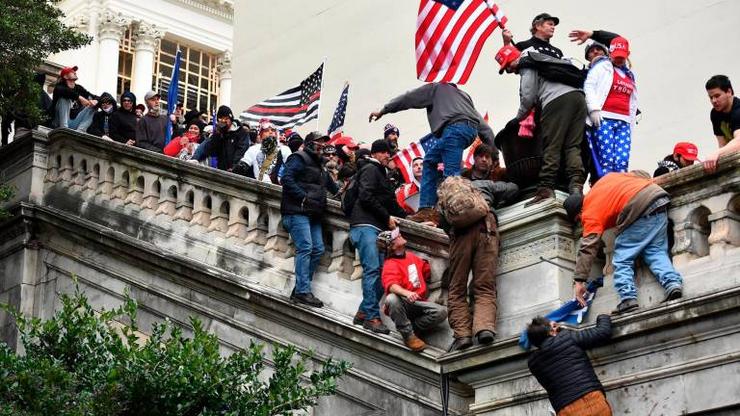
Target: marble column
[(110, 29), (224, 78), (147, 40)]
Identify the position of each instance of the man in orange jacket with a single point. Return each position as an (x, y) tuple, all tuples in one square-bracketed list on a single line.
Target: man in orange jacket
[(637, 207), (405, 277)]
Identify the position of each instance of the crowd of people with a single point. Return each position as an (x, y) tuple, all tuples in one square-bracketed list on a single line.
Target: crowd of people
[(570, 108)]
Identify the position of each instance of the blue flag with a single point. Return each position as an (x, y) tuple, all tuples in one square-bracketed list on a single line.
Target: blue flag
[(337, 122), (172, 94), (570, 313)]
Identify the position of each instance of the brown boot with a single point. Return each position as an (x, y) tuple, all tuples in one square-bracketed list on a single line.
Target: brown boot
[(359, 318), (542, 194), (414, 343), (376, 325), (425, 215)]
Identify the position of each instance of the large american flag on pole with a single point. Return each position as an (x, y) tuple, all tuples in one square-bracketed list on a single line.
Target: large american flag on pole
[(291, 108), (450, 35), (337, 122)]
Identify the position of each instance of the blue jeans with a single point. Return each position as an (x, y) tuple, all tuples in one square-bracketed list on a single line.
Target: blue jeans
[(363, 237), (79, 123), (448, 150), (309, 247), (647, 237)]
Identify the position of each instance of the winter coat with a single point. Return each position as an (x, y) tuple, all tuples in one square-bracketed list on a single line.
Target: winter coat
[(122, 122), (101, 119), (562, 367), (598, 84), (151, 131), (376, 200), (305, 183), (229, 147)]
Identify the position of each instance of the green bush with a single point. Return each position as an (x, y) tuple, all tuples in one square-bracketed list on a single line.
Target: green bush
[(84, 362)]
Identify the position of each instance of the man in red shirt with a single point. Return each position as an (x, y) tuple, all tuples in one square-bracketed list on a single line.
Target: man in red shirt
[(405, 277), (637, 207)]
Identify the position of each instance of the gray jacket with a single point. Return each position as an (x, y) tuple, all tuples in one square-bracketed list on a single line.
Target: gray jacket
[(535, 90), (445, 103)]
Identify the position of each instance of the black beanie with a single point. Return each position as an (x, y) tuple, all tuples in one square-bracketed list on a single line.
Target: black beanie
[(573, 204), (380, 146), (225, 111)]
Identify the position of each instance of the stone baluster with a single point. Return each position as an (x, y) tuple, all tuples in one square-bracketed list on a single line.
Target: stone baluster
[(336, 251), (725, 225), (91, 182), (184, 208), (54, 173), (202, 208), (238, 219), (80, 176), (219, 214), (135, 195), (255, 230), (105, 188), (67, 170), (121, 186), (277, 237), (152, 192), (168, 198)]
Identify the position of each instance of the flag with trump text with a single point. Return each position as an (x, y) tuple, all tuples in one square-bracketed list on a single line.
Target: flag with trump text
[(337, 121), (290, 108), (450, 35)]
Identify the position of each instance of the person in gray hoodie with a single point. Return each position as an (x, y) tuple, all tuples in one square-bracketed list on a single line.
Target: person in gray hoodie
[(562, 112)]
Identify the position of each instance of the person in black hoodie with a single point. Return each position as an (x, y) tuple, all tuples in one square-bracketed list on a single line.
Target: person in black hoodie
[(72, 106), (229, 141), (101, 120), (373, 212), (123, 120), (561, 366), (305, 185)]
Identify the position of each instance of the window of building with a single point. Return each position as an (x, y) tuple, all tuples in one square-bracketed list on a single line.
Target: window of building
[(125, 63), (198, 82)]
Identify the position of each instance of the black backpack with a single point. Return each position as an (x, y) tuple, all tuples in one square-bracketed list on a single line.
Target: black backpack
[(561, 72)]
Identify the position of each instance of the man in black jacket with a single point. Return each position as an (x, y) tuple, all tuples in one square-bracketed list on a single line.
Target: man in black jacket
[(372, 213), (303, 204), (562, 367), (68, 101), (101, 120), (123, 121), (543, 29), (229, 141)]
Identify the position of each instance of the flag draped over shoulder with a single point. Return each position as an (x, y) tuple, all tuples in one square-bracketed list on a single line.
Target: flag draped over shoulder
[(404, 158), (291, 108), (337, 121), (450, 35)]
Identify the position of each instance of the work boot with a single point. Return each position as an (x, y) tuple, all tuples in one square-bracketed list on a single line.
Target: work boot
[(626, 306), (425, 215), (307, 299), (376, 325), (485, 336), (673, 294), (414, 343), (359, 318), (542, 194), (460, 344)]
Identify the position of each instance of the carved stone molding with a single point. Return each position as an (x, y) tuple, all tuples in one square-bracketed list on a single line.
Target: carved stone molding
[(224, 65), (112, 25), (220, 8), (529, 254), (147, 36)]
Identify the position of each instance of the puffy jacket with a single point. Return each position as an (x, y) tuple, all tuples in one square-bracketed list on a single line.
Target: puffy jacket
[(562, 367), (376, 200), (304, 185), (228, 147)]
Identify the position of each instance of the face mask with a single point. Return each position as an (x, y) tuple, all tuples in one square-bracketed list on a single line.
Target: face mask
[(109, 109), (221, 125)]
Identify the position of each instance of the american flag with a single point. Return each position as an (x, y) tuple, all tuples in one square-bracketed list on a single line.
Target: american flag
[(404, 159), (450, 35), (291, 108), (468, 153), (337, 122)]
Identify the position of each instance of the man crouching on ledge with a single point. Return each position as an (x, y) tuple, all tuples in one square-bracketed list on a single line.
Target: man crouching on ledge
[(405, 277)]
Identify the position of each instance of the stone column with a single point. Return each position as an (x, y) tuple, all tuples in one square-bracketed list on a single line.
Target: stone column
[(110, 29), (224, 76), (147, 40)]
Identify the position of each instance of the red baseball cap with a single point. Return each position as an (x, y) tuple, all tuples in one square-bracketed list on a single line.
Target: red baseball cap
[(345, 141), (619, 48), (507, 55), (67, 69), (687, 150)]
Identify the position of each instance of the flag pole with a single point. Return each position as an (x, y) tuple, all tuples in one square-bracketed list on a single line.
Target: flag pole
[(323, 73)]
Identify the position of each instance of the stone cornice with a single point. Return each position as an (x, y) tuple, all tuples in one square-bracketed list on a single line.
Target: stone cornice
[(148, 36), (112, 25), (220, 8)]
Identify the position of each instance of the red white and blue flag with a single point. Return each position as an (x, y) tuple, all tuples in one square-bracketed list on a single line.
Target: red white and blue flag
[(291, 108), (404, 159), (450, 35), (336, 128)]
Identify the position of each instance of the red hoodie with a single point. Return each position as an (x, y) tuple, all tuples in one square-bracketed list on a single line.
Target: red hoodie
[(409, 272)]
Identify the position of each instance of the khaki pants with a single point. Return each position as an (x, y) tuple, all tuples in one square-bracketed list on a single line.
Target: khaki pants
[(591, 404), (474, 249)]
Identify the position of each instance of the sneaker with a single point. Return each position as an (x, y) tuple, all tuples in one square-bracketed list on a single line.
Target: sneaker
[(376, 325), (542, 194), (485, 336), (460, 344), (414, 343), (359, 318), (306, 299), (425, 215), (673, 294), (626, 305)]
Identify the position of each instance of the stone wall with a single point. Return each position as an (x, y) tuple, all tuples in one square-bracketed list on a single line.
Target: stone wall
[(188, 240)]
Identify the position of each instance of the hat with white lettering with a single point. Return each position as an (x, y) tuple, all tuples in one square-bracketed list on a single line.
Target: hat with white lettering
[(619, 48)]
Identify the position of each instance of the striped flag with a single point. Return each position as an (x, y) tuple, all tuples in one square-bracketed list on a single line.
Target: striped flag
[(450, 35), (404, 159), (337, 122), (291, 108), (468, 154)]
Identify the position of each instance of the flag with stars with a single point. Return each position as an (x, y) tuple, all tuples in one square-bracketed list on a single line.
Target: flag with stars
[(291, 108), (450, 35), (404, 159), (337, 122)]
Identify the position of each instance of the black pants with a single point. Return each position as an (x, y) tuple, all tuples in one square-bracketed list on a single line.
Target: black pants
[(562, 122)]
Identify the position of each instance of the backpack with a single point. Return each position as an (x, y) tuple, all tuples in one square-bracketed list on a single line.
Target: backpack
[(350, 195), (560, 72), (460, 203)]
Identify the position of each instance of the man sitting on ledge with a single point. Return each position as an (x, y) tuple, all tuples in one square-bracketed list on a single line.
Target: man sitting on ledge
[(638, 208), (405, 277)]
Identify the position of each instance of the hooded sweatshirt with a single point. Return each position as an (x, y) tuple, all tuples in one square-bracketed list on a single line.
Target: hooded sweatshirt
[(122, 122), (101, 120)]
